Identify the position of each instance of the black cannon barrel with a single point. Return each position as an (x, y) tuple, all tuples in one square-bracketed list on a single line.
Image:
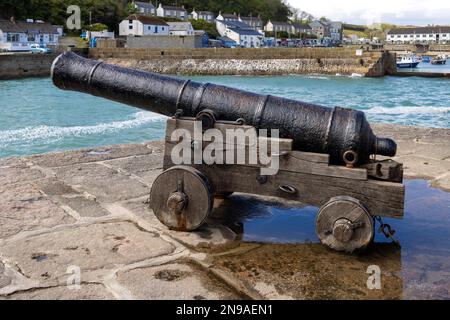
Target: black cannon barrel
[(344, 134)]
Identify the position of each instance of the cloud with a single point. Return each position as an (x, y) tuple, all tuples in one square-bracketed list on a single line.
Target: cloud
[(418, 12)]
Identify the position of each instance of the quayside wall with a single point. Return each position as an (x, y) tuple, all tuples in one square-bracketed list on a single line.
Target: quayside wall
[(253, 61)]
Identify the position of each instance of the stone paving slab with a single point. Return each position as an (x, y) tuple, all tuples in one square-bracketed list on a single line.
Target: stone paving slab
[(46, 257), (87, 208), (85, 292), (175, 281), (24, 208), (104, 183)]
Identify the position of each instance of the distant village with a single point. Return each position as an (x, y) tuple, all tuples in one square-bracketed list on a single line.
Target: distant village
[(165, 26)]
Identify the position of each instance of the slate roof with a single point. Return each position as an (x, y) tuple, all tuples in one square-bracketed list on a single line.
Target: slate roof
[(146, 5), (301, 26), (205, 12), (246, 32), (229, 16), (420, 30), (236, 25), (147, 20), (27, 27), (281, 23), (172, 8)]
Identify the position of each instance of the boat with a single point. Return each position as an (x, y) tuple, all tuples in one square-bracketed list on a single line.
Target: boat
[(440, 60), (426, 59), (407, 61)]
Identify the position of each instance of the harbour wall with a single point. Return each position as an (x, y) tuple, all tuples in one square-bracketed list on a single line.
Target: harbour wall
[(24, 65), (253, 61), (15, 66)]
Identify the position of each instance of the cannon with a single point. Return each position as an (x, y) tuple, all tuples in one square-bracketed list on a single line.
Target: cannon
[(327, 156)]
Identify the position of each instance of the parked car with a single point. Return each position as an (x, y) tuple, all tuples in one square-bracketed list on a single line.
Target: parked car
[(37, 48)]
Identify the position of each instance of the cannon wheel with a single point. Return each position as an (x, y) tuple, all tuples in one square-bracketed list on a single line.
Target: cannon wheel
[(181, 198), (344, 224)]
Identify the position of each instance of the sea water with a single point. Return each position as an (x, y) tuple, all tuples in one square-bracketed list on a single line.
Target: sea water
[(36, 117)]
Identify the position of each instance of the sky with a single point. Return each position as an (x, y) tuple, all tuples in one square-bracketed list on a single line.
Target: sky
[(402, 12)]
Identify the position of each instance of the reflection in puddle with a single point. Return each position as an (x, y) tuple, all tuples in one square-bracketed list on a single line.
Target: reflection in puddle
[(284, 250)]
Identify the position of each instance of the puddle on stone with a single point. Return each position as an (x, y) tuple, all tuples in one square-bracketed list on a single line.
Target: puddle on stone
[(283, 250)]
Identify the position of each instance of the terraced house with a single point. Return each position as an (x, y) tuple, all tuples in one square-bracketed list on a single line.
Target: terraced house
[(172, 12), (145, 8), (435, 34), (139, 25), (204, 15), (18, 36)]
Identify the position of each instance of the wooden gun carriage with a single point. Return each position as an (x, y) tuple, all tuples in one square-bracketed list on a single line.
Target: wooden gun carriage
[(348, 197), (324, 153)]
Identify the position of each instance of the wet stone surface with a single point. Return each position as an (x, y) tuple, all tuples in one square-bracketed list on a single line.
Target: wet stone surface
[(87, 209)]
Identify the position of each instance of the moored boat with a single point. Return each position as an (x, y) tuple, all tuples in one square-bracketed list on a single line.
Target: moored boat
[(439, 60), (407, 61)]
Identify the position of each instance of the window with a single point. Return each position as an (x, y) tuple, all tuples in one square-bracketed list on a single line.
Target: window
[(12, 37), (130, 27), (162, 28), (30, 38), (149, 28), (156, 29), (51, 38), (130, 21)]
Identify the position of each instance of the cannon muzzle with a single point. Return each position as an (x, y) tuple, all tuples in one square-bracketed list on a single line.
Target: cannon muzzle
[(342, 133)]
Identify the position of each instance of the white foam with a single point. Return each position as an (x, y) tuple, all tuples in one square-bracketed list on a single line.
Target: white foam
[(318, 77), (408, 110), (46, 133), (356, 75)]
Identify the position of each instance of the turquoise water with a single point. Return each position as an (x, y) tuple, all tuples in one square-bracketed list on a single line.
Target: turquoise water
[(37, 117)]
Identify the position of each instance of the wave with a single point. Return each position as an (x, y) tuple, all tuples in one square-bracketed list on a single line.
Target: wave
[(57, 133), (318, 77), (408, 110)]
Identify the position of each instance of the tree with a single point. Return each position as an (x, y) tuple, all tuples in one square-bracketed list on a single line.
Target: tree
[(131, 8), (209, 28), (97, 27)]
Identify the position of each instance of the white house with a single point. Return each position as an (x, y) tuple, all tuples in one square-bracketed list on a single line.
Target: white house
[(171, 12), (435, 34), (18, 36), (278, 26), (138, 25), (227, 17), (204, 15), (180, 29), (145, 8), (245, 38), (240, 32)]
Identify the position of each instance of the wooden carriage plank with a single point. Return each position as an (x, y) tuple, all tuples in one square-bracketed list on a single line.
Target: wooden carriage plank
[(381, 198)]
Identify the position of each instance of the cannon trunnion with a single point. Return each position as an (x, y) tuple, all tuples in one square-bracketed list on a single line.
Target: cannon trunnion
[(326, 157)]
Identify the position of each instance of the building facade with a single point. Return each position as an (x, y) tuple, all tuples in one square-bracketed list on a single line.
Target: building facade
[(436, 34), (145, 8), (18, 36), (227, 17), (172, 12), (204, 15), (254, 22), (278, 26), (138, 25), (301, 29), (335, 28), (239, 32), (180, 29), (319, 29)]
